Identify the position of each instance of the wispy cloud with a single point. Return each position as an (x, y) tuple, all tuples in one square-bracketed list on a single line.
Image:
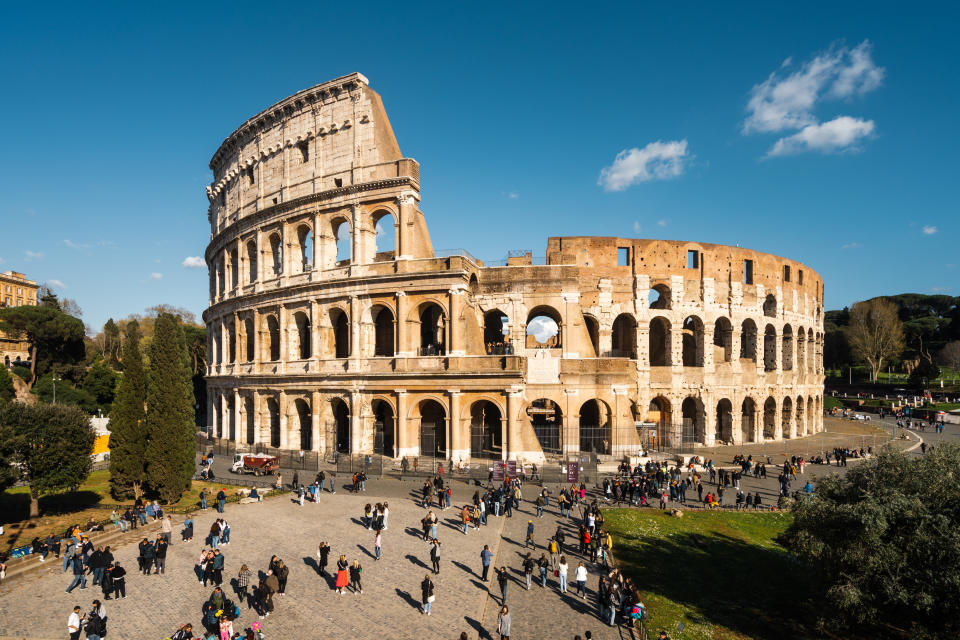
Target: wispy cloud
[(661, 223), (156, 276), (929, 230), (657, 161), (851, 245), (32, 255), (57, 283), (76, 245), (940, 289), (513, 195), (637, 228), (194, 262), (787, 101)]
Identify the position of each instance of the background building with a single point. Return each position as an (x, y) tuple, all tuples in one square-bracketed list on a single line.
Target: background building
[(335, 326), (15, 291)]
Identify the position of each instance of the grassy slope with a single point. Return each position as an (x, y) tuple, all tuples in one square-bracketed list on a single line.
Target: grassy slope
[(720, 573)]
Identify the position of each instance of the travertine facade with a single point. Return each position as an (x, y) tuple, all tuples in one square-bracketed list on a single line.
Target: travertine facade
[(391, 348)]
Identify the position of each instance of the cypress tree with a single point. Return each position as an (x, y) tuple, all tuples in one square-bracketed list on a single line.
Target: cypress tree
[(128, 426), (170, 452)]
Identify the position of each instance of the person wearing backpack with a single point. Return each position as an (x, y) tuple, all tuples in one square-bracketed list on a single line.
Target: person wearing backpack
[(544, 565), (554, 549), (528, 570)]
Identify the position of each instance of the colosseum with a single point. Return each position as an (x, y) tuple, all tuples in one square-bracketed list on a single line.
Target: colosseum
[(334, 324)]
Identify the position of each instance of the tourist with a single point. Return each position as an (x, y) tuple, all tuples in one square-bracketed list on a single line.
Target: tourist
[(377, 541), (323, 554), (485, 557), (214, 534), (79, 572), (465, 518), (272, 584), (282, 572), (342, 577), (243, 580), (218, 561), (562, 573), (581, 578), (502, 581), (160, 552), (426, 594), (74, 622), (118, 581), (435, 555), (187, 534), (386, 516), (503, 623), (528, 570), (226, 628), (529, 541), (355, 571)]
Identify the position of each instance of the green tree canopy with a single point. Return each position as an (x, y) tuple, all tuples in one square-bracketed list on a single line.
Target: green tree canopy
[(51, 446), (170, 451), (101, 384), (64, 392), (7, 391), (54, 336), (128, 426), (884, 542)]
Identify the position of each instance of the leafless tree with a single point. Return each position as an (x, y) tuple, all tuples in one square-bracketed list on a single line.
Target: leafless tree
[(875, 332)]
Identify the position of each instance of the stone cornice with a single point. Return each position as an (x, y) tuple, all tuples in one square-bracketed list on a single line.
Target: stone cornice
[(336, 89)]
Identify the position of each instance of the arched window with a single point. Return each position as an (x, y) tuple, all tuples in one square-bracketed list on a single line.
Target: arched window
[(593, 331), (385, 236), (251, 262), (547, 421), (659, 297), (232, 342), (787, 348), (770, 306), (801, 423), (341, 426), (433, 330), (692, 342), (486, 438), (234, 269), (496, 327), (273, 418), (770, 418), (251, 334), (251, 420), (769, 348), (595, 434), (543, 328), (305, 423), (276, 254), (786, 417), (659, 342), (305, 241), (340, 333), (748, 416), (384, 428), (801, 349), (694, 428), (812, 352), (811, 417), (724, 433), (382, 331), (303, 335), (433, 429), (748, 340), (660, 413), (624, 337), (342, 236), (273, 333), (221, 284), (722, 340)]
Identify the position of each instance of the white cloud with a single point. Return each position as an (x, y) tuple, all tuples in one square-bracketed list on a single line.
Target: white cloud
[(636, 227), (156, 276), (661, 223), (839, 134), (56, 283), (513, 195), (940, 289), (32, 255), (657, 161), (542, 328), (76, 245), (786, 102), (929, 230), (194, 262), (851, 245)]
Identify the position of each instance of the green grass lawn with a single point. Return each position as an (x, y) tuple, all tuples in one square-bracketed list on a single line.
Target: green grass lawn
[(720, 573)]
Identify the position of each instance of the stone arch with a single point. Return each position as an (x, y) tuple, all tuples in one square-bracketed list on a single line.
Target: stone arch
[(234, 268), (339, 333), (381, 317), (232, 341), (748, 340), (811, 352), (624, 336), (433, 428), (543, 329), (251, 420), (722, 340), (659, 297), (811, 416), (593, 332), (659, 342), (692, 342), (769, 348), (273, 338), (595, 427), (786, 348), (305, 242), (694, 421), (432, 321), (660, 412), (304, 423), (486, 433), (546, 417), (302, 323), (786, 417), (250, 342), (496, 324), (341, 435), (341, 250), (273, 421), (384, 225), (801, 349), (748, 417), (770, 306), (724, 424), (276, 253), (384, 427), (801, 418), (252, 261), (770, 418)]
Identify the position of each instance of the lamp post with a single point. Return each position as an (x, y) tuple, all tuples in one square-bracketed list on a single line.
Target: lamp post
[(55, 379)]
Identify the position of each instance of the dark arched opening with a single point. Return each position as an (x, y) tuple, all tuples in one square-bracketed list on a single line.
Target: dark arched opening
[(485, 431), (659, 342), (433, 429), (384, 428), (547, 421), (624, 337), (595, 432)]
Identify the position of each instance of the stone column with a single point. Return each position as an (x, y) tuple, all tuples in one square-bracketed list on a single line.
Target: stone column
[(401, 347), (571, 311), (406, 446), (211, 413), (236, 416), (709, 419), (283, 318), (514, 439), (643, 344), (354, 330), (570, 437), (457, 449), (257, 431), (406, 209), (356, 427), (282, 407), (708, 348), (317, 242), (315, 422), (314, 329), (455, 341)]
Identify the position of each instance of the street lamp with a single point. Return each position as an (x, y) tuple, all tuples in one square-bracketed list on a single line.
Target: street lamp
[(55, 379)]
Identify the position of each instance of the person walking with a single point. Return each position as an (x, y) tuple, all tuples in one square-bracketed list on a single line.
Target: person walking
[(323, 555), (355, 571), (465, 518), (529, 541), (485, 557), (528, 570), (502, 581), (118, 579), (581, 577), (218, 561), (544, 565), (342, 577), (427, 595), (243, 580), (221, 499), (79, 572), (435, 555), (272, 584), (166, 527), (503, 623), (160, 552), (377, 541), (562, 573)]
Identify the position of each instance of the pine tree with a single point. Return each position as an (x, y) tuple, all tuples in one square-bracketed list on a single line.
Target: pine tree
[(128, 426), (170, 445)]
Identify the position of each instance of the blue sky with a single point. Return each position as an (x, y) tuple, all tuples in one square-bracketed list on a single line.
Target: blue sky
[(824, 132)]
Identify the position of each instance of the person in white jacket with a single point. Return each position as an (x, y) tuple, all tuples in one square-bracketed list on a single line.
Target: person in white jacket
[(581, 577), (562, 573)]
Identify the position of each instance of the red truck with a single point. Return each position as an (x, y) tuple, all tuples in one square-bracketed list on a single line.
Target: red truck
[(254, 463)]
